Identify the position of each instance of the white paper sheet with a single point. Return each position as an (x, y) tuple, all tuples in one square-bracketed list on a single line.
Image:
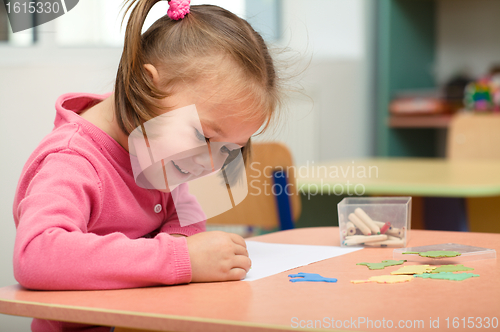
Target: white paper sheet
[(272, 258)]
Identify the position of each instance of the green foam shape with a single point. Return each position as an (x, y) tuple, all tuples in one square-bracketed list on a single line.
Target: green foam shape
[(434, 254), (380, 266), (451, 268), (447, 275)]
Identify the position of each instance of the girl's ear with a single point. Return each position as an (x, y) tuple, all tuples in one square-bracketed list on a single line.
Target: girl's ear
[(153, 74)]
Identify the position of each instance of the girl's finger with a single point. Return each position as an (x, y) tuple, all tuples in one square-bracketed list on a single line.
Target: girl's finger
[(238, 239), (242, 262), (239, 250), (236, 274)]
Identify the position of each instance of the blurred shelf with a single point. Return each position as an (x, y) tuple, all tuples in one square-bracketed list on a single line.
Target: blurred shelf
[(420, 121)]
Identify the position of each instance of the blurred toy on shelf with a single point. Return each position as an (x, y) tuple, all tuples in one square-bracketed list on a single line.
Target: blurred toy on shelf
[(483, 95), (447, 99), (419, 102), (454, 91)]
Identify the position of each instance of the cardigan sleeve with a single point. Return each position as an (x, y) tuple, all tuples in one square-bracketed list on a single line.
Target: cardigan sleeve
[(186, 205), (54, 250)]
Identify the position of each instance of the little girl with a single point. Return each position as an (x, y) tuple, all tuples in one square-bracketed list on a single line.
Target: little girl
[(83, 222)]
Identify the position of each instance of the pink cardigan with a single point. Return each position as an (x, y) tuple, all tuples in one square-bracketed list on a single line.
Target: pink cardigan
[(83, 223)]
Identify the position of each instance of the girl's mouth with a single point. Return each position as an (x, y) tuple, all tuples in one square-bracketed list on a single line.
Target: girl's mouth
[(180, 169)]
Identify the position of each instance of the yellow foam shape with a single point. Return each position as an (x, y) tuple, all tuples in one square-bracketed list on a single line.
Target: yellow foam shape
[(414, 269), (385, 279)]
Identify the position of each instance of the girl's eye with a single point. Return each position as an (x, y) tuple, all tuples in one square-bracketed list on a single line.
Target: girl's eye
[(231, 155), (233, 152), (200, 136)]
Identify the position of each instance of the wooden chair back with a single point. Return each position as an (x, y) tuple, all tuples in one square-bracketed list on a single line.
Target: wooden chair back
[(259, 208), (474, 136), (477, 137)]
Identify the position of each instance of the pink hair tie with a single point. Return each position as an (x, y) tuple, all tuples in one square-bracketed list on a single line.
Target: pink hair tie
[(178, 9)]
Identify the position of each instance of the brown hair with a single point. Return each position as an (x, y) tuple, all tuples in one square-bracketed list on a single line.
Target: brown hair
[(204, 45)]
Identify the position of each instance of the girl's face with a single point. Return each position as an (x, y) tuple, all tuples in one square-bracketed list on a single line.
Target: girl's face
[(192, 140)]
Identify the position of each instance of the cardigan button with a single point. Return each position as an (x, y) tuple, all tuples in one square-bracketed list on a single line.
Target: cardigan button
[(158, 208)]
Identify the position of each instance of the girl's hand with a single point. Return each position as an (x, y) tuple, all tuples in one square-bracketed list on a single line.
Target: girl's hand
[(217, 256)]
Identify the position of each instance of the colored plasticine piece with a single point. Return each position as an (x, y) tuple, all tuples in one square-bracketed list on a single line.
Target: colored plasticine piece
[(414, 269), (385, 279), (434, 254), (451, 268), (448, 275), (380, 266), (302, 276)]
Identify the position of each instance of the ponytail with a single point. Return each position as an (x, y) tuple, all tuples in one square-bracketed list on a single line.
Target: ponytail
[(135, 92)]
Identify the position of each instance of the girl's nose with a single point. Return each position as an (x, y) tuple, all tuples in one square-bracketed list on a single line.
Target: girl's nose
[(204, 160)]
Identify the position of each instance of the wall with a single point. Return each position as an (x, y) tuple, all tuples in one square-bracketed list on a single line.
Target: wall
[(330, 37), (468, 37)]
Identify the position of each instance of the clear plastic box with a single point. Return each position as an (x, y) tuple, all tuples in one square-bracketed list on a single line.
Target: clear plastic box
[(382, 222), (467, 253)]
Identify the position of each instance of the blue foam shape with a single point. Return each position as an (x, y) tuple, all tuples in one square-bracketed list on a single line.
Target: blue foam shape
[(302, 276)]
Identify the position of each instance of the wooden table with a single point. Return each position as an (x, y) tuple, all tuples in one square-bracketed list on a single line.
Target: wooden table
[(404, 176), (444, 184), (275, 304)]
